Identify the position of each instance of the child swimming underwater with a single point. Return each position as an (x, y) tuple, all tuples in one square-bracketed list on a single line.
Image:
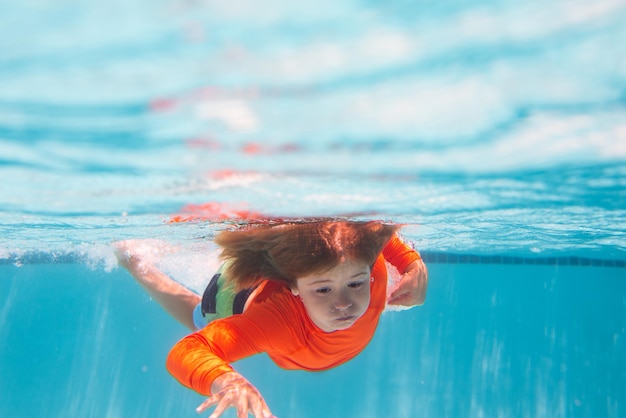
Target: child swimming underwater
[(307, 293)]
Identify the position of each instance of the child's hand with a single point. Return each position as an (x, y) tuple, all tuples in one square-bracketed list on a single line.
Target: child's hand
[(123, 251), (232, 389), (132, 253), (412, 288)]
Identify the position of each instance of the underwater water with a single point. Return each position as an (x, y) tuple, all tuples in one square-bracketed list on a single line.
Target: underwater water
[(495, 131)]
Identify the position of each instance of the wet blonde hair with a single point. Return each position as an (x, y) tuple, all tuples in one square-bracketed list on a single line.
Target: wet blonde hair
[(287, 250)]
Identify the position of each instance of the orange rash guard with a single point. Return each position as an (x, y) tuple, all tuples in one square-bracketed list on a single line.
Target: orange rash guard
[(276, 322)]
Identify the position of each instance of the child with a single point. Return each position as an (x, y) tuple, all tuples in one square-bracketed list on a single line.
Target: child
[(308, 293)]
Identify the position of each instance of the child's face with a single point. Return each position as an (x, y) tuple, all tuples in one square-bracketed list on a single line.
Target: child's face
[(336, 298)]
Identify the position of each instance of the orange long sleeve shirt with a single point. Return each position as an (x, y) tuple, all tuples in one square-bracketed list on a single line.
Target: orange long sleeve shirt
[(276, 322)]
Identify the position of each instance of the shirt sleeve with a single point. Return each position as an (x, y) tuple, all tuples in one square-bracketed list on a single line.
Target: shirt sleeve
[(399, 254), (194, 364), (198, 359)]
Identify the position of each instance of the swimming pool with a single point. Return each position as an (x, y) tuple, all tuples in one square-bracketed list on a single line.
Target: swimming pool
[(494, 130)]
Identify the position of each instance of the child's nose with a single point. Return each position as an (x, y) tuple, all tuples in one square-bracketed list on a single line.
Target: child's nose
[(342, 303)]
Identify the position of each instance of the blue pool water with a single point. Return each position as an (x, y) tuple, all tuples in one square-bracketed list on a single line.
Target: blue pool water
[(492, 340), (494, 130)]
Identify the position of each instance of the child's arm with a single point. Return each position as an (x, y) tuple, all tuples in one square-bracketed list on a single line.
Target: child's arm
[(201, 361), (192, 360), (411, 290), (138, 257)]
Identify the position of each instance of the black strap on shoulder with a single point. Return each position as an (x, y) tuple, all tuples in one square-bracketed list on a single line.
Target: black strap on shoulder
[(240, 299), (209, 297)]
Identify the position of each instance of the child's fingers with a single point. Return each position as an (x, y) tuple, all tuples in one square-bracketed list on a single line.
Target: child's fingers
[(242, 410), (401, 300), (209, 402), (260, 408), (244, 402), (403, 288), (410, 292), (257, 408), (223, 403)]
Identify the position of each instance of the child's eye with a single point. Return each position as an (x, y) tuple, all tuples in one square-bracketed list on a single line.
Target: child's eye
[(355, 285), (323, 290)]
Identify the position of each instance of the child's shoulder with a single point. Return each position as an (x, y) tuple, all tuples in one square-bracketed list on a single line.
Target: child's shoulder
[(270, 289)]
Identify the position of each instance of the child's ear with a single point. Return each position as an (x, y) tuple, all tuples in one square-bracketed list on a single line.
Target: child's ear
[(294, 289)]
